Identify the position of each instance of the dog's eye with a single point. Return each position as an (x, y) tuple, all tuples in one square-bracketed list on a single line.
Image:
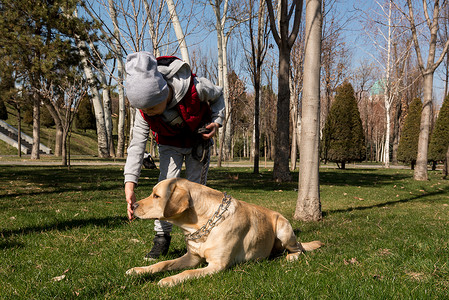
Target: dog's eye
[(155, 196)]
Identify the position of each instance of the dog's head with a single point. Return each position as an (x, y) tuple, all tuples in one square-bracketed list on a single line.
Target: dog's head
[(168, 200)]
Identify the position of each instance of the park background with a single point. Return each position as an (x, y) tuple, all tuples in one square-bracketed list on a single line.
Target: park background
[(64, 232)]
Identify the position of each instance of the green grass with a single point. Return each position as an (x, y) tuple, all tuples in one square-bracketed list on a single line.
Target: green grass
[(386, 237)]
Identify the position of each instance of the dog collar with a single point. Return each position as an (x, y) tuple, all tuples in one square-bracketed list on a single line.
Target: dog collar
[(202, 233)]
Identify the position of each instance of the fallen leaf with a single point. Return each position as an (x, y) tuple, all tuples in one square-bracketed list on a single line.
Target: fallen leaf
[(134, 241), (415, 275), (385, 252), (352, 261), (58, 278)]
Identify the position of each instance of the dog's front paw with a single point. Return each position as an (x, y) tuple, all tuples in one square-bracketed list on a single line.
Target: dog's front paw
[(293, 256), (167, 282), (136, 271)]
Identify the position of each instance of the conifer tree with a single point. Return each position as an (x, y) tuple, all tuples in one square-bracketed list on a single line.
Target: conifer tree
[(85, 118), (439, 142), (36, 45), (408, 143), (343, 136)]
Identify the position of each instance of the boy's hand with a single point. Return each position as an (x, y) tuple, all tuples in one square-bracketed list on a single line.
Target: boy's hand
[(213, 127), (130, 198)]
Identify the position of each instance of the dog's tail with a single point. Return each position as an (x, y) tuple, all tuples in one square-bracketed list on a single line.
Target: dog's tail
[(310, 246)]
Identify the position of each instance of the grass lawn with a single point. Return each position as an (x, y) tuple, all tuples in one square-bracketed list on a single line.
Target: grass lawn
[(64, 234)]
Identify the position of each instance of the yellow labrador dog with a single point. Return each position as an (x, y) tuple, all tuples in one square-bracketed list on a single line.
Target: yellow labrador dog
[(219, 229)]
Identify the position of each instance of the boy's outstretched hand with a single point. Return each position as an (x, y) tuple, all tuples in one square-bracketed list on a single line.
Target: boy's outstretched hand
[(130, 198)]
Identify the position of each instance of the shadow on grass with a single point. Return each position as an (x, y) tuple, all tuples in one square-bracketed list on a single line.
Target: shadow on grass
[(109, 222), (56, 179), (389, 203), (227, 178)]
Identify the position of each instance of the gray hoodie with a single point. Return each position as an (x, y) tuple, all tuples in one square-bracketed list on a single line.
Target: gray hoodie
[(178, 76)]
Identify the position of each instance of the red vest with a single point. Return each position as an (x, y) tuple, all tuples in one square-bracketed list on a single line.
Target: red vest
[(193, 112)]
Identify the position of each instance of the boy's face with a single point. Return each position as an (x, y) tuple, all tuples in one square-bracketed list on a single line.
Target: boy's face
[(159, 108), (155, 110)]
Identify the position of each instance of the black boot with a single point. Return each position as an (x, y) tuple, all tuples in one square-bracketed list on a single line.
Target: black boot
[(161, 243)]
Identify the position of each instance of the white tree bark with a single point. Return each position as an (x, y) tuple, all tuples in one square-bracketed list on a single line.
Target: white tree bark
[(120, 78), (178, 31), (103, 149), (220, 21), (308, 205)]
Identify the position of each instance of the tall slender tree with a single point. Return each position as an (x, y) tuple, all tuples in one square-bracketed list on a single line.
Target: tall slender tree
[(255, 56), (308, 205), (427, 71), (284, 38)]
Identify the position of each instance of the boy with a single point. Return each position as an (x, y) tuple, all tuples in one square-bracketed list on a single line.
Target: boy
[(182, 111)]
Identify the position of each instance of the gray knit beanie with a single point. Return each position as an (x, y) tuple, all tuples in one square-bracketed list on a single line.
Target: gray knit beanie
[(145, 86)]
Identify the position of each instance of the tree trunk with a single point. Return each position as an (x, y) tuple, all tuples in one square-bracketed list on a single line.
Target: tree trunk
[(424, 130), (19, 133), (58, 124), (256, 131), (178, 31), (121, 120), (58, 140), (229, 129), (386, 150), (294, 118), (308, 205), (103, 149), (396, 122), (120, 75), (64, 148), (36, 128), (281, 171), (446, 164), (219, 29)]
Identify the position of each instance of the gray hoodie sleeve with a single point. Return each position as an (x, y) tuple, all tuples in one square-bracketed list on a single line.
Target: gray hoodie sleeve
[(136, 149), (213, 94)]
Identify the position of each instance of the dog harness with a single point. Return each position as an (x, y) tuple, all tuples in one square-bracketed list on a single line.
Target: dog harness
[(202, 233)]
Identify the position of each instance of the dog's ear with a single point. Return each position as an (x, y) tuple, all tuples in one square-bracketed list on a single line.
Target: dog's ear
[(178, 202)]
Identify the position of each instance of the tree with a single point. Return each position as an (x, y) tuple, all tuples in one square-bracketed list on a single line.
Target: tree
[(37, 41), (10, 94), (439, 142), (64, 96), (408, 143), (343, 136), (427, 71), (335, 56), (308, 206), (285, 41), (228, 16), (3, 111), (385, 31), (258, 35), (85, 118)]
